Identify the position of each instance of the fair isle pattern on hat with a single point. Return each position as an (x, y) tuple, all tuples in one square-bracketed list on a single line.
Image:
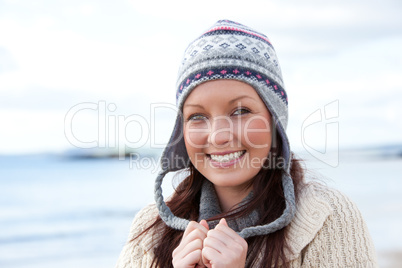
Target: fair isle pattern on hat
[(232, 73), (218, 44)]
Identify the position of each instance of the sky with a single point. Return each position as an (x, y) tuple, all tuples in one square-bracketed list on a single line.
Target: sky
[(102, 73)]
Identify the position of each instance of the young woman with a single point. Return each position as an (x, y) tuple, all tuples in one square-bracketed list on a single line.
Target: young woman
[(245, 202)]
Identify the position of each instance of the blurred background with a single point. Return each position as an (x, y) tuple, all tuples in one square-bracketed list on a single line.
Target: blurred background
[(87, 94)]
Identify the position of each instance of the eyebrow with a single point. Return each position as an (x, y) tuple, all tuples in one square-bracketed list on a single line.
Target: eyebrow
[(230, 102), (239, 98), (193, 105)]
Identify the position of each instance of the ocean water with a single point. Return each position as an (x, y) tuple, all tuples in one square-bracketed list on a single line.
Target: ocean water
[(65, 212)]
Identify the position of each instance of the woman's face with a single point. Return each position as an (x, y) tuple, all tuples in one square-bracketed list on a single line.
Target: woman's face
[(227, 131)]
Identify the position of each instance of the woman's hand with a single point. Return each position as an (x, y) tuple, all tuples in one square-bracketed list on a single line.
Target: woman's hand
[(223, 247), (188, 253)]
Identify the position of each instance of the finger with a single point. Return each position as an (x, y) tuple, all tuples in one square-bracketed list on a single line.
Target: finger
[(190, 260), (227, 235), (193, 225), (208, 254), (220, 236), (224, 222), (205, 224), (223, 227), (195, 234), (193, 258), (188, 250), (220, 250), (214, 243)]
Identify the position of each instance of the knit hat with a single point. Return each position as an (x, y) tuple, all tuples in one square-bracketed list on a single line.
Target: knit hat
[(230, 50)]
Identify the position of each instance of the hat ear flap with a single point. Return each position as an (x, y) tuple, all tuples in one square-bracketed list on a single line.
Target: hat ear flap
[(286, 217), (175, 156), (164, 211)]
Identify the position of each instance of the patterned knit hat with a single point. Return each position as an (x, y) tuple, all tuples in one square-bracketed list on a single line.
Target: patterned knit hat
[(230, 50)]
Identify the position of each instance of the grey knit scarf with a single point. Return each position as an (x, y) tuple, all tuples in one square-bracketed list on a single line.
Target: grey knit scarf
[(209, 207)]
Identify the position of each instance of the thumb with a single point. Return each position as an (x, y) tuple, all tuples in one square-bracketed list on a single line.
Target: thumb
[(223, 221), (205, 224)]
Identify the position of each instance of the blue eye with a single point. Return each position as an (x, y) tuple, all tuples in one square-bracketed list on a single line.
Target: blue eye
[(196, 117), (241, 111)]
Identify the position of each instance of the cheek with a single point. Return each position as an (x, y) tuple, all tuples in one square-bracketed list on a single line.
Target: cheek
[(257, 133), (195, 137)]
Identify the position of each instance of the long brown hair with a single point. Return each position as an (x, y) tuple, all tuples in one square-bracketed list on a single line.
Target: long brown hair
[(268, 199)]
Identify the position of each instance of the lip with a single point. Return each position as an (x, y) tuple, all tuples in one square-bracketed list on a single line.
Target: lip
[(225, 164), (227, 152)]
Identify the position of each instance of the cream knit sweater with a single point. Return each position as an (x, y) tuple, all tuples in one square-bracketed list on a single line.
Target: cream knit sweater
[(327, 231)]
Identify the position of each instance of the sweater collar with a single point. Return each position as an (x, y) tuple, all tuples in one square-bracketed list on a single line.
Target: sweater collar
[(209, 207)]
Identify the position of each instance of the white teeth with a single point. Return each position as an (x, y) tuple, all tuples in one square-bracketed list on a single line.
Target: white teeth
[(226, 157)]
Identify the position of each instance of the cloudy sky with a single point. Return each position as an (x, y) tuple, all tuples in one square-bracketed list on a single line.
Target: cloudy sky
[(86, 72)]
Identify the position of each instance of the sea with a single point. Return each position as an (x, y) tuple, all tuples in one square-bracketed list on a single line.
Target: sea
[(63, 211)]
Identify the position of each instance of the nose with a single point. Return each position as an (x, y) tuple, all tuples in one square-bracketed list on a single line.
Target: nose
[(221, 131)]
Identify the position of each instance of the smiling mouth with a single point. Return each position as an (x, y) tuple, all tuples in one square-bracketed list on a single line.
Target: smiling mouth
[(226, 157)]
